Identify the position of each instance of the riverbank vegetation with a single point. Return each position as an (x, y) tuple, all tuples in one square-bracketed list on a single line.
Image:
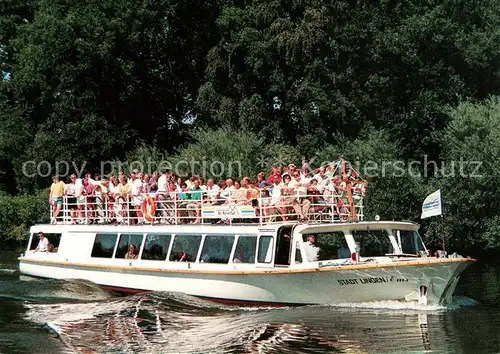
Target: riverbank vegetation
[(409, 87)]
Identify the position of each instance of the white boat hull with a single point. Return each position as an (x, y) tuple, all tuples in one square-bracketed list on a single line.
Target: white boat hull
[(403, 280)]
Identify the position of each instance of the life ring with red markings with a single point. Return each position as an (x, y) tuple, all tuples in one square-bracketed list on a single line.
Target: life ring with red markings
[(148, 208)]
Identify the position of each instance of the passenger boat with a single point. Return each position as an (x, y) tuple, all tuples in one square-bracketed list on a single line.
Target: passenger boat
[(249, 259)]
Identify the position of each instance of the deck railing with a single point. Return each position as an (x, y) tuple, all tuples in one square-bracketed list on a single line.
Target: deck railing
[(173, 208)]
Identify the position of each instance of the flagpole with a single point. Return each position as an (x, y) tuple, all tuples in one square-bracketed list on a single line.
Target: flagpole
[(432, 206), (444, 235)]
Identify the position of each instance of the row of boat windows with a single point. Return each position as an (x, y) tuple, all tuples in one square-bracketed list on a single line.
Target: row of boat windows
[(215, 248)]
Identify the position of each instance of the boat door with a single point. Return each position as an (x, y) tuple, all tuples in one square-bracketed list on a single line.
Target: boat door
[(265, 249), (283, 241)]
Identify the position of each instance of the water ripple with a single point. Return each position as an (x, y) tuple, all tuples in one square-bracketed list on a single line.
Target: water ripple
[(177, 323), (77, 316)]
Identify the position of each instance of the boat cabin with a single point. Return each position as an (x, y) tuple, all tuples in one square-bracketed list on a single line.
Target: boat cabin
[(288, 245)]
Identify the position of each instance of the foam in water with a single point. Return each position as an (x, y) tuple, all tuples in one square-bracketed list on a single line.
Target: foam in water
[(7, 270), (193, 301), (456, 303)]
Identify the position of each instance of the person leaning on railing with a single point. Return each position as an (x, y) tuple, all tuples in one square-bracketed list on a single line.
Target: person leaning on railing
[(70, 192), (264, 209), (112, 190), (153, 182), (213, 193), (121, 195), (301, 203), (253, 194), (315, 196), (261, 182), (88, 193), (169, 205), (183, 198), (322, 179), (136, 192), (239, 194), (162, 190), (336, 197), (272, 205), (286, 196), (105, 191), (195, 199), (101, 201), (56, 195), (80, 201), (226, 192)]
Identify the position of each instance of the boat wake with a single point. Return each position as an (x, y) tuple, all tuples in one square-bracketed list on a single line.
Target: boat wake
[(458, 302), (170, 323), (53, 290), (178, 323), (8, 271)]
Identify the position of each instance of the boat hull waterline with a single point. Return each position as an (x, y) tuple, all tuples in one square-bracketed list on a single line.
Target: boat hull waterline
[(402, 280)]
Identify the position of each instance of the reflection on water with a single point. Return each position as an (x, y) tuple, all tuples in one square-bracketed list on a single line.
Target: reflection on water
[(76, 316), (149, 323), (161, 322)]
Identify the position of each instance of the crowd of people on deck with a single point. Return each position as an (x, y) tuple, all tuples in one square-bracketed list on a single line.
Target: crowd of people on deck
[(285, 192)]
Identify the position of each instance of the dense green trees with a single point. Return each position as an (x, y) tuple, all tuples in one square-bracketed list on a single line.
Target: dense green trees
[(90, 79), (312, 68), (262, 82), (470, 175)]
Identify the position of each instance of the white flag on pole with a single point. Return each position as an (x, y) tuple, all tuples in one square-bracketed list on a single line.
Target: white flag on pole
[(432, 205)]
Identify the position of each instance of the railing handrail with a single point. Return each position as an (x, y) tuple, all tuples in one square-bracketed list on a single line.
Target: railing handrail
[(177, 207)]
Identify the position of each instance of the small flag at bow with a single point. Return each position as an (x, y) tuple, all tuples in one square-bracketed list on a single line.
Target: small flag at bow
[(432, 205)]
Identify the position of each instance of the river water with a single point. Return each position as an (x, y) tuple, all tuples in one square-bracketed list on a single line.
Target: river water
[(55, 316)]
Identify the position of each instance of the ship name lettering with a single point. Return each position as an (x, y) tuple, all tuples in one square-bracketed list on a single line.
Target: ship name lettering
[(347, 281), (373, 280)]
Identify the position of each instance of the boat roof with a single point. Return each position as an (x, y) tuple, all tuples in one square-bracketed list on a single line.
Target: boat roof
[(224, 229)]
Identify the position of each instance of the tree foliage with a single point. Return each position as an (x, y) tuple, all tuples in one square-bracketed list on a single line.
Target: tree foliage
[(89, 79), (316, 68), (213, 153), (469, 179), (18, 213)]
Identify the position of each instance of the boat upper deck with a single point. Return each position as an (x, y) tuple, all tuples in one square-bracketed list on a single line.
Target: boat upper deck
[(260, 207)]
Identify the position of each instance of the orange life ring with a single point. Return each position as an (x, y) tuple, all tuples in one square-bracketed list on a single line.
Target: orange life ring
[(148, 208)]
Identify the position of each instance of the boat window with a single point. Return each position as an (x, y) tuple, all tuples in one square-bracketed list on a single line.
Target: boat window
[(217, 249), (104, 244), (185, 248), (34, 241), (372, 243), (327, 246), (54, 240), (124, 244), (156, 247), (298, 255), (245, 249), (411, 243), (265, 254)]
